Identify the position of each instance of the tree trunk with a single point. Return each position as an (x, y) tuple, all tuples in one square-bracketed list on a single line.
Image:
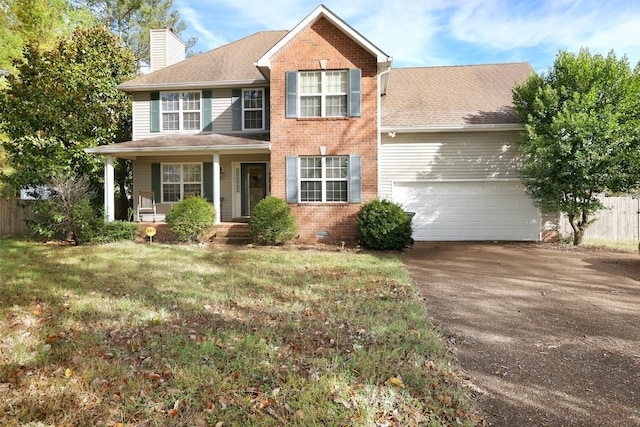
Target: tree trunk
[(578, 227)]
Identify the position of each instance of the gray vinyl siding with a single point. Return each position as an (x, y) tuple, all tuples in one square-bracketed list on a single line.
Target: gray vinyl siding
[(221, 110), (447, 156), (142, 177), (141, 116), (220, 113)]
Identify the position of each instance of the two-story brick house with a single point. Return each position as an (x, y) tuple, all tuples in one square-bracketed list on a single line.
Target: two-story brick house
[(311, 116)]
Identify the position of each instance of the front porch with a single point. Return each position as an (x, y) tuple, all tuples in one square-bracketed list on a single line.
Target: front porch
[(231, 171)]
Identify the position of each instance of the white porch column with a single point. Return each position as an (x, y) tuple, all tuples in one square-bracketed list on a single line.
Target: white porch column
[(109, 189), (216, 186)]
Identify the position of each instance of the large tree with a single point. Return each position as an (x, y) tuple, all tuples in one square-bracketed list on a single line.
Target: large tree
[(582, 134), (35, 22), (63, 101)]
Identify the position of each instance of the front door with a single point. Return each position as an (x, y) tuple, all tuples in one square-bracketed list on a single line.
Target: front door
[(253, 185)]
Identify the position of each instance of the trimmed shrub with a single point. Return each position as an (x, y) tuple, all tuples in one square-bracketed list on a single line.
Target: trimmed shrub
[(190, 219), (383, 225), (116, 231), (271, 222)]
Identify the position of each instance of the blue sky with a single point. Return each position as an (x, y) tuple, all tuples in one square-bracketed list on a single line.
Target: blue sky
[(420, 33)]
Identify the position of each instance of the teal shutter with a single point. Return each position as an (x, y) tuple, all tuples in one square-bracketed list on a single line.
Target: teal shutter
[(155, 111), (236, 109), (206, 125), (267, 109), (207, 181), (355, 94), (291, 170), (355, 178), (291, 88), (156, 185)]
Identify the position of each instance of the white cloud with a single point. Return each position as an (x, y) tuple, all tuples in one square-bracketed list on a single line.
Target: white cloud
[(437, 32), (549, 25), (206, 39)]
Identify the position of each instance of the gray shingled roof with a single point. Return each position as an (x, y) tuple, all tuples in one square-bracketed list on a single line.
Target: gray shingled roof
[(187, 142), (233, 62), (452, 96)]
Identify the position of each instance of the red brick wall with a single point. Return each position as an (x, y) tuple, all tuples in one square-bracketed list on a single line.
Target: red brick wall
[(341, 136)]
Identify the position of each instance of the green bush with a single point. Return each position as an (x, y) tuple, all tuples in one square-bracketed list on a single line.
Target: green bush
[(271, 222), (190, 219), (383, 225), (116, 231)]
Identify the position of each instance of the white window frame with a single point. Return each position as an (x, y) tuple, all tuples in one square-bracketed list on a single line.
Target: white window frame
[(324, 92), (181, 182), (323, 179), (245, 109), (181, 111)]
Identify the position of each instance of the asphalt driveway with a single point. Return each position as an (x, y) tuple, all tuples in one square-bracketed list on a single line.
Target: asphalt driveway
[(548, 336)]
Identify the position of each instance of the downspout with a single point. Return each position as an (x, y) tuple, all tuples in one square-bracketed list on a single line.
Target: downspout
[(378, 130)]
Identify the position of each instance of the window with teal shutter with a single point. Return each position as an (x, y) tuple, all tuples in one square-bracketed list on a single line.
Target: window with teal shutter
[(292, 94), (355, 94), (155, 112), (207, 124), (267, 109), (324, 179), (291, 171), (323, 93), (156, 183), (207, 181), (355, 178)]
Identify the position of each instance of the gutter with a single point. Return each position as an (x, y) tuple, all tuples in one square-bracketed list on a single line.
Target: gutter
[(143, 87), (201, 148), (452, 128)]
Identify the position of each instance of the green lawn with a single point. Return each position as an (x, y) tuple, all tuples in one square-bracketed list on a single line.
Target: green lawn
[(138, 334)]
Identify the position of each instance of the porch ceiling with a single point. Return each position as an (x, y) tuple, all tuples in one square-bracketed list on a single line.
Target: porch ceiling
[(186, 144)]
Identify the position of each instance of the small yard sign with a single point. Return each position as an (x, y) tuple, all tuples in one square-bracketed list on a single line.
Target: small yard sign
[(150, 231)]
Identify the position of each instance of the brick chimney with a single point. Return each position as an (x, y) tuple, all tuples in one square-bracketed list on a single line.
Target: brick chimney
[(165, 48)]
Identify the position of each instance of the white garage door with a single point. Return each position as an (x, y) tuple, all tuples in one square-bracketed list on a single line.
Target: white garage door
[(469, 210)]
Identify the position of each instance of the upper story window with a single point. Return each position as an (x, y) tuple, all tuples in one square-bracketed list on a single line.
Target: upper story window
[(180, 180), (323, 93), (253, 109), (180, 111)]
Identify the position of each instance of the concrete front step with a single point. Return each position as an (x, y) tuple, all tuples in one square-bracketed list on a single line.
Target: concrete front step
[(232, 233)]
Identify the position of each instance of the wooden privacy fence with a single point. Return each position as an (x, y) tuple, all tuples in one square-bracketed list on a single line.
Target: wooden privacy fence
[(619, 220), (13, 216)]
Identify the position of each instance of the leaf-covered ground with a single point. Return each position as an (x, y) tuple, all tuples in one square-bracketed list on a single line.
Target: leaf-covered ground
[(142, 335)]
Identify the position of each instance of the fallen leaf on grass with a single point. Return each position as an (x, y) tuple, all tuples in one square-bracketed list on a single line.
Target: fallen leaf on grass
[(396, 382)]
